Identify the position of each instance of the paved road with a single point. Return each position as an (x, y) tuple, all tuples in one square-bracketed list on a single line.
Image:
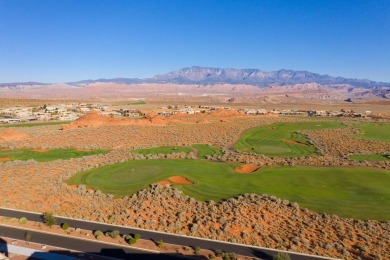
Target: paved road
[(245, 250)]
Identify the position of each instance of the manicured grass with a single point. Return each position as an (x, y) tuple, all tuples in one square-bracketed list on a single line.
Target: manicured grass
[(204, 150), (140, 102), (369, 157), (35, 124), (50, 155), (375, 131), (282, 139), (354, 192), (164, 150)]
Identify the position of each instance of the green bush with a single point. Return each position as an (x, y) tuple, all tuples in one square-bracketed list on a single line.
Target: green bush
[(137, 236), (281, 256), (218, 252), (114, 234), (64, 226), (23, 220), (132, 241), (160, 243), (49, 219), (98, 233)]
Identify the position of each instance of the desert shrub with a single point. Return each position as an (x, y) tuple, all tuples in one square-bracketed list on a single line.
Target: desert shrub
[(281, 256), (137, 236), (23, 220), (98, 233), (218, 253), (49, 219), (160, 243), (127, 237), (114, 234), (211, 256), (132, 241), (64, 226), (197, 250)]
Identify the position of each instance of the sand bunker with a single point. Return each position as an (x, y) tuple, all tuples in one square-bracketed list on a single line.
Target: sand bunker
[(247, 168), (293, 142), (5, 159), (94, 119), (12, 135), (164, 182), (175, 180)]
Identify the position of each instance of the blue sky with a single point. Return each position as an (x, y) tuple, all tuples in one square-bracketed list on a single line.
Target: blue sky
[(59, 41)]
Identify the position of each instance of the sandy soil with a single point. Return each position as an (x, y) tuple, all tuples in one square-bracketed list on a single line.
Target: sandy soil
[(4, 159), (12, 135), (247, 168), (179, 180)]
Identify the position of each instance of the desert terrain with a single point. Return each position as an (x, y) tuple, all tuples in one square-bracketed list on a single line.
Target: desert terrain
[(249, 218)]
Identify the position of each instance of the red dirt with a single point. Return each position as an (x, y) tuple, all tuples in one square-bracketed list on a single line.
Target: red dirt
[(4, 159), (94, 119), (247, 168), (179, 180), (12, 135)]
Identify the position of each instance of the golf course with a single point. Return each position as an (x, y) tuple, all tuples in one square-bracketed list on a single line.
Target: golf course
[(354, 192), (281, 139), (44, 155)]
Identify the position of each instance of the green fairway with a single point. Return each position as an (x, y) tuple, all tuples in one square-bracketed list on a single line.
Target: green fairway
[(375, 131), (204, 150), (369, 157), (281, 139), (29, 124), (50, 155), (354, 192), (140, 102), (164, 150)]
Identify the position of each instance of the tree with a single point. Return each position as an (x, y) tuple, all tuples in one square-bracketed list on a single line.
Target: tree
[(160, 243), (49, 219), (27, 236)]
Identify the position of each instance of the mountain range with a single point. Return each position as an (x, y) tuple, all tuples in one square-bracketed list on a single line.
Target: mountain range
[(209, 76)]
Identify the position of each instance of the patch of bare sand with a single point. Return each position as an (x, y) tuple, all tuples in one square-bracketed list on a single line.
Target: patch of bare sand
[(179, 180), (293, 142), (12, 135), (247, 168), (4, 159), (164, 182)]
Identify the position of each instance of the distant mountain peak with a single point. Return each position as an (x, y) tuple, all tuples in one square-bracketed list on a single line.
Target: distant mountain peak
[(209, 75)]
